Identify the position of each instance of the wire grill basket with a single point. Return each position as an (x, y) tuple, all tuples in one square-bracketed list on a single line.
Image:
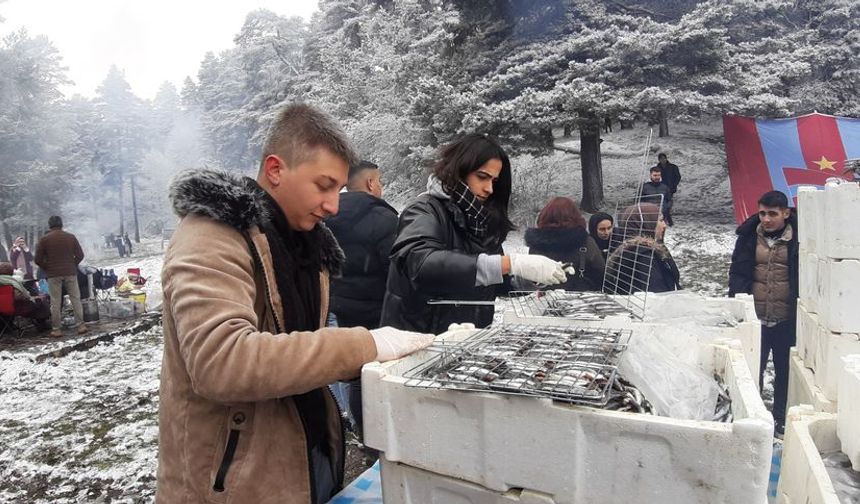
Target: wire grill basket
[(568, 364), (566, 304)]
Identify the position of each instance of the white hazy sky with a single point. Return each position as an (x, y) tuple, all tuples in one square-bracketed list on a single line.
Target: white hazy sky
[(151, 40)]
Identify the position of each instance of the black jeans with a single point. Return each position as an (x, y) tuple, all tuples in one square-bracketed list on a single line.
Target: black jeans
[(778, 339)]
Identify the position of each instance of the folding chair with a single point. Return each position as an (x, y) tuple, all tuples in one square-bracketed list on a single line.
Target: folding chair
[(7, 312)]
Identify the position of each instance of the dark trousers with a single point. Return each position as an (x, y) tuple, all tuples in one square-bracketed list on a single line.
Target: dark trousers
[(667, 211), (777, 339)]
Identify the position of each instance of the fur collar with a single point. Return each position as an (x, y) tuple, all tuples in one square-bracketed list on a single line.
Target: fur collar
[(239, 203), (555, 238), (640, 244)]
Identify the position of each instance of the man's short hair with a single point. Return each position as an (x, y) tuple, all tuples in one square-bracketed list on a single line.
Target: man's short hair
[(55, 221), (662, 155), (359, 167), (6, 268), (300, 129), (774, 199), (655, 169)]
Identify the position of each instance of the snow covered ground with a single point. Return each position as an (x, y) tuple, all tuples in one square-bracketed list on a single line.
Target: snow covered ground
[(83, 428)]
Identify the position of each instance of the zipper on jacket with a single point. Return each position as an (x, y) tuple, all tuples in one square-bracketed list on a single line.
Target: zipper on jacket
[(229, 452), (342, 446)]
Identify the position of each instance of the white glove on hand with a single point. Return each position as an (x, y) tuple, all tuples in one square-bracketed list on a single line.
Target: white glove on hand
[(393, 343), (538, 269)]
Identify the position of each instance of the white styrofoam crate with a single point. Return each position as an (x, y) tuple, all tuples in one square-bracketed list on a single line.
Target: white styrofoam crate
[(802, 388), (803, 479), (403, 484), (828, 359), (808, 278), (810, 203), (573, 453), (839, 291), (808, 329), (848, 409), (684, 308), (840, 234)]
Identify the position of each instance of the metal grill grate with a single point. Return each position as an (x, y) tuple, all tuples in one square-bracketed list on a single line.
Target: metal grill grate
[(569, 364), (565, 304)]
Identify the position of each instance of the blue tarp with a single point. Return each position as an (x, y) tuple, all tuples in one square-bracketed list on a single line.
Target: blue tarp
[(366, 489)]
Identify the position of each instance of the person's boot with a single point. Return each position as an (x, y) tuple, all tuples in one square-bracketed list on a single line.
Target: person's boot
[(56, 333), (82, 328)]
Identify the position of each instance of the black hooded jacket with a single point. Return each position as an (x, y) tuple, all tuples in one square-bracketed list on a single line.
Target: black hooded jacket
[(435, 257), (574, 246), (365, 227)]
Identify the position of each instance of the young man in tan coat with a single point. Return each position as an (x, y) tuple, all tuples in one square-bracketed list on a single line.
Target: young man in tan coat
[(245, 415)]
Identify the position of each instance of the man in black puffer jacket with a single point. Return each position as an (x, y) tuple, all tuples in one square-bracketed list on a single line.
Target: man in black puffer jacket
[(365, 227)]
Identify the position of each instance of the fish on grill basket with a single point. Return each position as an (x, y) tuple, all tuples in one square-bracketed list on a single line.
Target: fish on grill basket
[(590, 305), (568, 364)]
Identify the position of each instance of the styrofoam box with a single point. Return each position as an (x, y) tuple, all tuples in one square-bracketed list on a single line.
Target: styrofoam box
[(403, 484), (808, 329), (803, 479), (808, 278), (839, 290), (840, 234), (828, 359), (741, 307), (810, 204), (848, 409), (573, 453), (802, 388)]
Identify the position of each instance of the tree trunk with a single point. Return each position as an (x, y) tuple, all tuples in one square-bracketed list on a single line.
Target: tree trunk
[(7, 241), (567, 130), (134, 209), (592, 168), (664, 124), (121, 209)]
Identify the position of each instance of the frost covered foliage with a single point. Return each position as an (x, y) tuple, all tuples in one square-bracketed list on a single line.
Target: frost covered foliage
[(536, 180)]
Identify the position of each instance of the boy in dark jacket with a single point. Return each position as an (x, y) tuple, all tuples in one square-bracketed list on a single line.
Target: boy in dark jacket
[(765, 264)]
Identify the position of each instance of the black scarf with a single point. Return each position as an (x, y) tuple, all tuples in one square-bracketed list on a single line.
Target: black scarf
[(596, 219), (477, 216), (296, 260)]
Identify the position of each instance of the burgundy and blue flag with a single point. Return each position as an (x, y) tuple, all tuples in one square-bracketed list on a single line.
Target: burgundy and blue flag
[(783, 154)]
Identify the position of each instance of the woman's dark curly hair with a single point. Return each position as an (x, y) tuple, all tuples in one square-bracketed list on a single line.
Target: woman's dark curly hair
[(460, 158)]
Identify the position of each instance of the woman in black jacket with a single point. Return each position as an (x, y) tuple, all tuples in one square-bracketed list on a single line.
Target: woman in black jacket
[(449, 243), (640, 262), (600, 228), (560, 234)]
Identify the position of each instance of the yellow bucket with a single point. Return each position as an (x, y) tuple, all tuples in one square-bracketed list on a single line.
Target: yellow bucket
[(139, 297)]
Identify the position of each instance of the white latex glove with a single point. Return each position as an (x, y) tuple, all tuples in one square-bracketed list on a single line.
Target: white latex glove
[(538, 269), (393, 343)]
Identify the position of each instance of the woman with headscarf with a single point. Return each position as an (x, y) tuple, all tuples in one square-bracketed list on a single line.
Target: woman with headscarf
[(600, 229), (640, 262), (449, 243), (560, 234)]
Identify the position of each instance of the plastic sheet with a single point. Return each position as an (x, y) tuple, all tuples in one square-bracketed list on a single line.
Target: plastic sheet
[(846, 481), (675, 388)]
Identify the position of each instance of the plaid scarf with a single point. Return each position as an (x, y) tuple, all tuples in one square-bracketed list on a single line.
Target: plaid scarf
[(477, 215)]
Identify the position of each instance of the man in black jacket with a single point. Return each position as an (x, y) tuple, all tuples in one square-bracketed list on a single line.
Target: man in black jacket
[(671, 176), (765, 264), (651, 192), (365, 227)]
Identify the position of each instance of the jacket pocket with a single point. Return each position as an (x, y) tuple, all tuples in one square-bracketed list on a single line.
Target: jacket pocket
[(226, 460), (238, 422)]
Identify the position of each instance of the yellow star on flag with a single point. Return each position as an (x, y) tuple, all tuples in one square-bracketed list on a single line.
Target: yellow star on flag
[(825, 164)]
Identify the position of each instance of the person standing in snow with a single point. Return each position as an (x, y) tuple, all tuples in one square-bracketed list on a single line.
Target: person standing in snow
[(58, 254), (365, 227), (656, 192), (21, 258), (765, 264), (671, 176), (449, 243), (245, 414)]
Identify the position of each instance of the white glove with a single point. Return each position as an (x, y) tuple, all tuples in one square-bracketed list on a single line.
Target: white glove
[(393, 343), (538, 269)]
